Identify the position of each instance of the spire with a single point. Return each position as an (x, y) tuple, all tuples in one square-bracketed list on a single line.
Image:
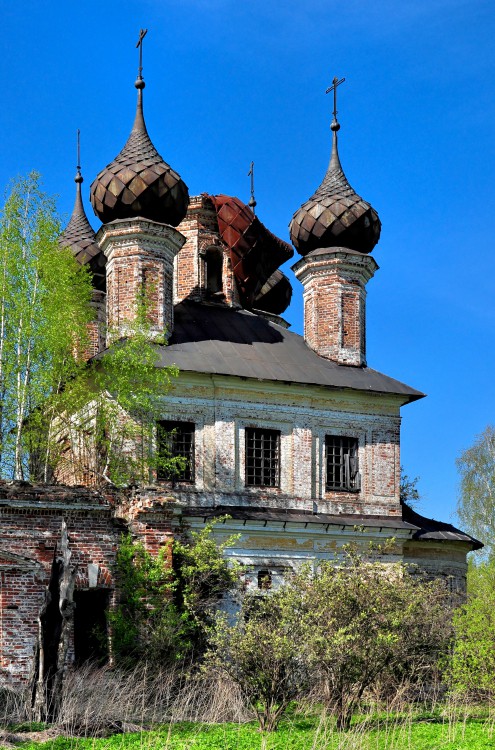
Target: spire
[(79, 235), (139, 83), (252, 200), (335, 215), (138, 182)]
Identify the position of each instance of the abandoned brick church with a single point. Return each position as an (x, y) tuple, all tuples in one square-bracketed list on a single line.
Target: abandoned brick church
[(293, 437)]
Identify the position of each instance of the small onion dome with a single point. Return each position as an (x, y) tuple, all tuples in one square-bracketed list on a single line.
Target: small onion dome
[(138, 182), (275, 294), (335, 216), (80, 238)]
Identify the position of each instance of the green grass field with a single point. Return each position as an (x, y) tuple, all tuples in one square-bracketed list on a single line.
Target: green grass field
[(299, 734)]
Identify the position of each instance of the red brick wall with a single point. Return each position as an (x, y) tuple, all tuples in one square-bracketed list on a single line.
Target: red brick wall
[(335, 303), (30, 521)]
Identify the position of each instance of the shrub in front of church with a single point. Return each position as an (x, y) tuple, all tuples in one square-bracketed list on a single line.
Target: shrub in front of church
[(262, 654), (334, 633), (167, 602)]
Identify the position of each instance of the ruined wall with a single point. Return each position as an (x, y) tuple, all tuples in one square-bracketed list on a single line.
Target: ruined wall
[(30, 527)]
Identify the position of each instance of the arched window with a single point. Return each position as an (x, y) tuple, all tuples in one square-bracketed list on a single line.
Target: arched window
[(213, 270)]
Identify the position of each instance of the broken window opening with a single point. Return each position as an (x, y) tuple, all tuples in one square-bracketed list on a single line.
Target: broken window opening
[(342, 463), (264, 580), (213, 271), (175, 441)]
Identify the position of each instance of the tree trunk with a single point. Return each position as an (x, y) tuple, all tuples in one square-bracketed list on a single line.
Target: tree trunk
[(55, 626)]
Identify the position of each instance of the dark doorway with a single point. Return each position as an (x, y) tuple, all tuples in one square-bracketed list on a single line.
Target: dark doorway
[(90, 626)]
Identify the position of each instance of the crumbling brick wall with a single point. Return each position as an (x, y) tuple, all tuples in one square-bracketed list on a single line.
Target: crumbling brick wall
[(30, 521)]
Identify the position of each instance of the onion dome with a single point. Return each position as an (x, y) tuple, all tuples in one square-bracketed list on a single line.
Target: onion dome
[(275, 294), (255, 252), (79, 235), (335, 216), (138, 182)]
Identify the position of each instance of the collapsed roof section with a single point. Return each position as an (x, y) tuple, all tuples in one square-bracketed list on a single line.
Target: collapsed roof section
[(256, 254)]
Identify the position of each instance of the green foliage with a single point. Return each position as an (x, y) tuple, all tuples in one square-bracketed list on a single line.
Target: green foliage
[(476, 503), (164, 610), (262, 654), (44, 311), (409, 492), (347, 626), (392, 732), (364, 621), (473, 660), (107, 414)]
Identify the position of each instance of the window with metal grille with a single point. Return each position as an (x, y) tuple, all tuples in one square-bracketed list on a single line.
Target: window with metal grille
[(175, 441), (262, 457), (342, 463)]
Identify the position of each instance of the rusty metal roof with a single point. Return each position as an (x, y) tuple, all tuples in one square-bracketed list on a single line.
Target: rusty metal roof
[(221, 340), (255, 252), (420, 528)]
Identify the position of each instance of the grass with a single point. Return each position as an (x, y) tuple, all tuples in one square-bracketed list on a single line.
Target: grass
[(392, 732)]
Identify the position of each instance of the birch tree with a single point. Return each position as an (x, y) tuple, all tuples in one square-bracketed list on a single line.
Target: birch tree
[(44, 311), (476, 503)]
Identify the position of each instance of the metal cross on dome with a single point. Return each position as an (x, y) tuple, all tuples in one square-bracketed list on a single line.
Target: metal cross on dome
[(142, 34), (333, 88), (252, 200)]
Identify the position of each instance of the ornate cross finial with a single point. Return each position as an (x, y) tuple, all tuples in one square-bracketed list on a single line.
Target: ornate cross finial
[(142, 34), (252, 200), (333, 88)]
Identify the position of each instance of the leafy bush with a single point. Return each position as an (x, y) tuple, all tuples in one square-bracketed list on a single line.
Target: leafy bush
[(473, 660), (167, 602)]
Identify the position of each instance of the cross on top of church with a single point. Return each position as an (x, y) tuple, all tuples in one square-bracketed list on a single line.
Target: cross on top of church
[(142, 34), (333, 88)]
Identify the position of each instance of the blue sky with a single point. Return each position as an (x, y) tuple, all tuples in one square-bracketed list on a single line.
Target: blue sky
[(228, 82)]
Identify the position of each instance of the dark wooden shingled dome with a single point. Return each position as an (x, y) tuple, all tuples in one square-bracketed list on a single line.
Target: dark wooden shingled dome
[(335, 216), (138, 182), (80, 237)]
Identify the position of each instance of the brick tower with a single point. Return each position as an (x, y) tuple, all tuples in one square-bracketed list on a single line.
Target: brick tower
[(334, 231), (140, 199)]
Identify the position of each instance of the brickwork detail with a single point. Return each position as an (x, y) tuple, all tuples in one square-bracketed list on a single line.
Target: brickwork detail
[(140, 256), (31, 520), (335, 303), (97, 327), (200, 227)]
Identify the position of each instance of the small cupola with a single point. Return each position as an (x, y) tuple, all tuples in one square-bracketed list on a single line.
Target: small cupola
[(80, 238), (335, 215), (138, 182), (79, 235), (334, 231), (140, 199)]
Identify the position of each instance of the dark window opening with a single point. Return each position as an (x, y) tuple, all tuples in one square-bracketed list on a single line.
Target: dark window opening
[(175, 451), (264, 580), (342, 463), (90, 626), (213, 271), (262, 457)]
